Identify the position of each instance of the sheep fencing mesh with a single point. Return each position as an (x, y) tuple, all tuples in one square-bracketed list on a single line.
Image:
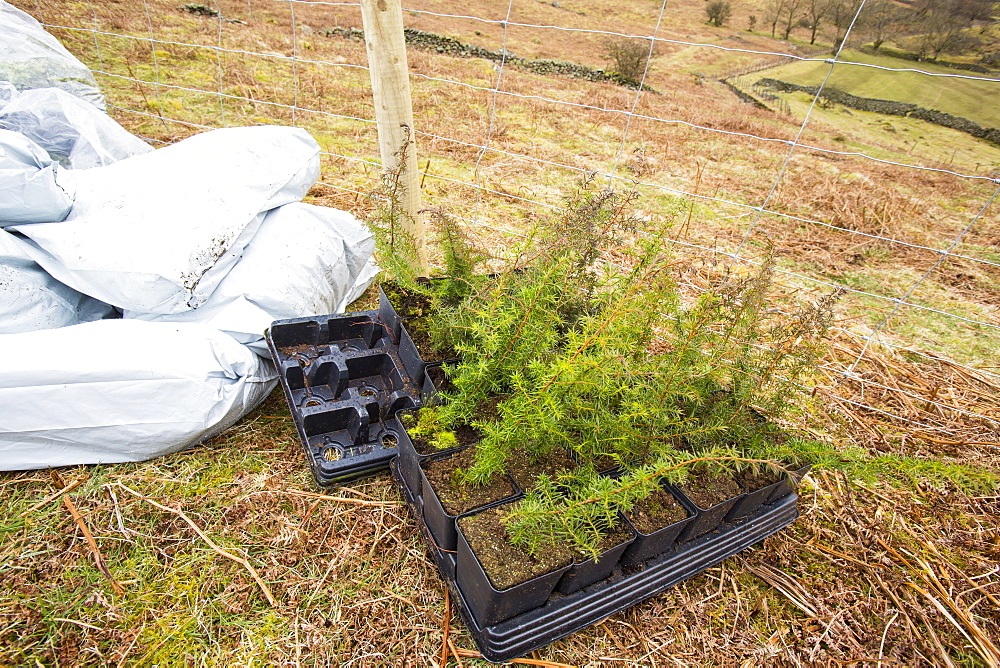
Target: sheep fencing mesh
[(505, 117)]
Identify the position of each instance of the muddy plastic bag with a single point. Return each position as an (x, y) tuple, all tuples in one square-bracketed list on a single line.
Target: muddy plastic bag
[(121, 391), (31, 58), (157, 233), (72, 132), (304, 260)]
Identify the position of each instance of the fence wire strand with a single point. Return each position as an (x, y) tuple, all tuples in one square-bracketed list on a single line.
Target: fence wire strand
[(541, 98), (913, 288), (582, 170), (802, 129), (638, 93), (664, 40), (295, 57), (493, 112), (487, 146)]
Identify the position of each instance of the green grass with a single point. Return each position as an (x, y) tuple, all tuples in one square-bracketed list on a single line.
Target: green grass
[(354, 582), (965, 342), (897, 138), (976, 100), (180, 597)]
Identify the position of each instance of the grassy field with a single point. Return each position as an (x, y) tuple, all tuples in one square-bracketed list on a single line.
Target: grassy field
[(965, 97), (226, 554)]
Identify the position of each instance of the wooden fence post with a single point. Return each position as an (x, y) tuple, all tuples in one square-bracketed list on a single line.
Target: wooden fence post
[(386, 46)]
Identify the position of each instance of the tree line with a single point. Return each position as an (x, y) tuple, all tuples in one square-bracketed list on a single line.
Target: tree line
[(928, 28)]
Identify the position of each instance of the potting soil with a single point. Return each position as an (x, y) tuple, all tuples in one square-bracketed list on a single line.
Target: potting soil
[(658, 510), (506, 564), (461, 498)]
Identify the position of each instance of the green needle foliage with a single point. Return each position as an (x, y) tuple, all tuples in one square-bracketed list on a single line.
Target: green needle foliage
[(461, 258), (504, 327), (609, 362), (394, 245)]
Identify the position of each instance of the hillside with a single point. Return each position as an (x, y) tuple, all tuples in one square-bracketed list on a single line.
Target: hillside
[(901, 214), (957, 92)]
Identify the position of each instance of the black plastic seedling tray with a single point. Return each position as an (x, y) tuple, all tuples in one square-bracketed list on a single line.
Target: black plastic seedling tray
[(345, 377), (509, 623), (563, 614)]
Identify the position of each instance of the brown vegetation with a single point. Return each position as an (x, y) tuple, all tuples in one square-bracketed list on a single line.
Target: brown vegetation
[(880, 570)]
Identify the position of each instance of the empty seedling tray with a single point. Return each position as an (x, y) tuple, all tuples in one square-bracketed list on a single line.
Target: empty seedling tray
[(344, 378)]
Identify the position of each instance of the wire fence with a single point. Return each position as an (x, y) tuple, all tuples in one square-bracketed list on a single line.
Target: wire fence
[(497, 144)]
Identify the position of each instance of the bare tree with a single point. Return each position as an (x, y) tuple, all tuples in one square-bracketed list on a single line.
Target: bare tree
[(880, 19), (972, 11), (983, 12), (841, 15), (772, 13), (943, 26), (816, 11), (943, 34), (790, 15)]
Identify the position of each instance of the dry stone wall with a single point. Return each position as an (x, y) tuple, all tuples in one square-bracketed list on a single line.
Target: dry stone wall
[(891, 108), (452, 47)]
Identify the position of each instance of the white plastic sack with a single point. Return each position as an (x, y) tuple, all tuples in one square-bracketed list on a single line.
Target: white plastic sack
[(304, 260), (7, 93), (32, 58), (158, 232), (30, 299), (33, 188), (364, 280), (71, 131), (121, 391)]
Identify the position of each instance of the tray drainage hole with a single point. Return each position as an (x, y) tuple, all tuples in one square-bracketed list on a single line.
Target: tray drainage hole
[(301, 359), (333, 453), (367, 391), (312, 402), (389, 441)]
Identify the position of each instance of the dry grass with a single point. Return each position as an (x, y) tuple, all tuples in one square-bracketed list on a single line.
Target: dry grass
[(870, 572), (224, 554)]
